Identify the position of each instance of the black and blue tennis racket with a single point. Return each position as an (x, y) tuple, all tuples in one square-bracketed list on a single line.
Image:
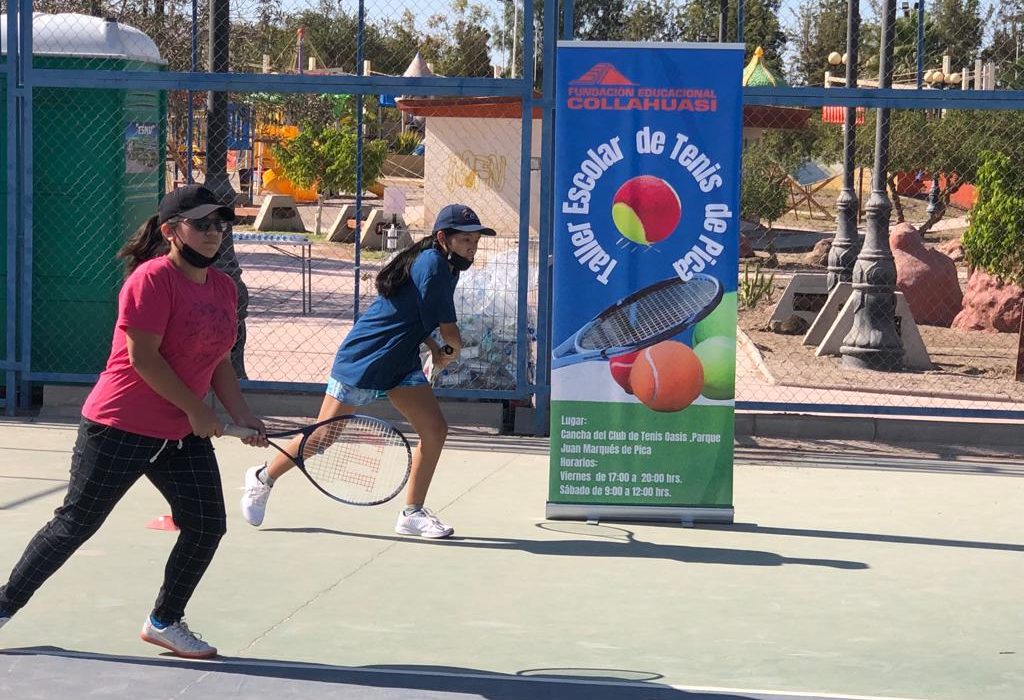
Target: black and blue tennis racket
[(355, 459), (643, 318)]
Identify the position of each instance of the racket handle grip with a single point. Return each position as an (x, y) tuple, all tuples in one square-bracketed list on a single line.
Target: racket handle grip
[(239, 432)]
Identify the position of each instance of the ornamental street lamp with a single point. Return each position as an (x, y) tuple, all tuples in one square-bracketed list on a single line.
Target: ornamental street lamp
[(842, 254), (873, 341)]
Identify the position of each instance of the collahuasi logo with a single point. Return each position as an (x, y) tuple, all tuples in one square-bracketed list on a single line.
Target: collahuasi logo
[(605, 88), (602, 74)]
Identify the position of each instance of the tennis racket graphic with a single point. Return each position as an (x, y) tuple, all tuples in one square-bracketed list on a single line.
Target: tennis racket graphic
[(355, 459), (643, 318)]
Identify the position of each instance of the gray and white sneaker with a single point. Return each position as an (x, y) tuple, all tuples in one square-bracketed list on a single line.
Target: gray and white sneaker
[(177, 638), (423, 523), (254, 497)]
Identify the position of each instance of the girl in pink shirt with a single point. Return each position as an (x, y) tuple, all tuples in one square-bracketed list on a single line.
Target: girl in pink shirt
[(176, 325)]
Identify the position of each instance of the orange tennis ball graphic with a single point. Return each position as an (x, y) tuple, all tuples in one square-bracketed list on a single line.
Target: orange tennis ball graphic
[(646, 209), (621, 366), (667, 377)]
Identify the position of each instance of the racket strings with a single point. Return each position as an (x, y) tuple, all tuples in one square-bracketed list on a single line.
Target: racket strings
[(651, 315), (357, 460)]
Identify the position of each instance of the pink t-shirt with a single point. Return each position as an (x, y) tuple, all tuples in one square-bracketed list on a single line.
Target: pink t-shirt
[(197, 324)]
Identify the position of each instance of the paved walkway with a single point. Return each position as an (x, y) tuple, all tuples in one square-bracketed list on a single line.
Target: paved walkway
[(850, 572)]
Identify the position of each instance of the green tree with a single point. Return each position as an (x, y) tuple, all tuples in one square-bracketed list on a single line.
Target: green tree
[(399, 40), (461, 45), (652, 20), (598, 19), (992, 240), (698, 21), (959, 28), (1006, 49), (764, 187), (821, 29), (326, 156)]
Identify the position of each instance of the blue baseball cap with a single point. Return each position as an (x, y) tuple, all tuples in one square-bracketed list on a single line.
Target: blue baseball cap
[(459, 217)]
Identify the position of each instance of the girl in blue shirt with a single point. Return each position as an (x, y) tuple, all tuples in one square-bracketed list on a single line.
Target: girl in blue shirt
[(380, 357)]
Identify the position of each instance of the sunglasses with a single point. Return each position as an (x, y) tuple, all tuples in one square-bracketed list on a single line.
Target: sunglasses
[(204, 225)]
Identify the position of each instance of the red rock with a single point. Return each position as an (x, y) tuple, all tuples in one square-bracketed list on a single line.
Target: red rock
[(926, 277), (990, 305), (819, 254), (953, 248)]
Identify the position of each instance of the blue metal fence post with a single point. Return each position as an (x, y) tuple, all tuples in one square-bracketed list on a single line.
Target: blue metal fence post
[(542, 411), (12, 69), (190, 122), (25, 198), (525, 156), (360, 38)]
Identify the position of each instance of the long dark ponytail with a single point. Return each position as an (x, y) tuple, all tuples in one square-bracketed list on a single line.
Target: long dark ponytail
[(396, 273), (145, 244)]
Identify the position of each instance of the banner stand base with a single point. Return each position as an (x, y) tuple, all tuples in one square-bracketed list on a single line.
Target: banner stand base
[(593, 513)]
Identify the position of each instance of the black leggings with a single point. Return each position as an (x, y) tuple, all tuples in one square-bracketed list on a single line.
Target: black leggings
[(106, 463)]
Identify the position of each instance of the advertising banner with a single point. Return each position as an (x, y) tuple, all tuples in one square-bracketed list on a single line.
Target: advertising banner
[(645, 245)]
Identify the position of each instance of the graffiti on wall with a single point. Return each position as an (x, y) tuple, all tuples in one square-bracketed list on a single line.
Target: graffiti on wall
[(468, 170)]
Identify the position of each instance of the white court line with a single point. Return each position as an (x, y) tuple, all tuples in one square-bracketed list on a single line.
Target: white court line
[(298, 665)]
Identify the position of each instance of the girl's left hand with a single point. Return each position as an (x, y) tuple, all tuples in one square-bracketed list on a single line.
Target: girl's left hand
[(251, 421)]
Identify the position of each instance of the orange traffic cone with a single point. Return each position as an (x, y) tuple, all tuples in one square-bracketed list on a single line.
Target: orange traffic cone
[(164, 522)]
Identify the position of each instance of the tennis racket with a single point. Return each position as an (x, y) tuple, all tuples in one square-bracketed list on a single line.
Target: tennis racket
[(643, 318), (355, 459)]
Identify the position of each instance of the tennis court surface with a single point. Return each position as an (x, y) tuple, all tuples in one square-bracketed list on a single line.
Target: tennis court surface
[(853, 570)]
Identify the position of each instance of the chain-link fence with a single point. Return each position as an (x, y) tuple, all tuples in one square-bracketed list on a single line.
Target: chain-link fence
[(954, 325), (329, 176), (896, 288), (341, 129)]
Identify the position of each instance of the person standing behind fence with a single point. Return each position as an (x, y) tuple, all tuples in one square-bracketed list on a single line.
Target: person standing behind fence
[(227, 262), (146, 415), (380, 357)]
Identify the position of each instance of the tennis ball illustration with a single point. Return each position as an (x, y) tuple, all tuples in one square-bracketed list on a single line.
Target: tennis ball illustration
[(620, 367), (667, 377), (718, 358), (720, 322), (646, 209)]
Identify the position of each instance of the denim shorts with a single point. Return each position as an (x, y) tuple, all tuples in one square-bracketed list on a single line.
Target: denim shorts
[(355, 396)]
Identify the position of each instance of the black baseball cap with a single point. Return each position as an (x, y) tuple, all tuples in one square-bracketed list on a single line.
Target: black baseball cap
[(192, 202), (459, 217)]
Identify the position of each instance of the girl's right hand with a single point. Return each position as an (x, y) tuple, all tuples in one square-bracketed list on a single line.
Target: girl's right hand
[(205, 422), (442, 359)]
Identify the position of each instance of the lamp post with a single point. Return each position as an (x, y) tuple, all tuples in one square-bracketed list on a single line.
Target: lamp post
[(939, 79), (873, 341), (842, 254)]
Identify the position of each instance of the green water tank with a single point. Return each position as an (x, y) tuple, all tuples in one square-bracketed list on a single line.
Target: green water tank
[(98, 173)]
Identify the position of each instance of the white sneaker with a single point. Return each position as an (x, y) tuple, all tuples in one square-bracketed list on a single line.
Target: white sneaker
[(254, 497), (423, 523), (179, 639)]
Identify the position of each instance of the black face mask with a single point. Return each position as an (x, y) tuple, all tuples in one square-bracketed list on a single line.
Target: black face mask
[(459, 263), (193, 257)]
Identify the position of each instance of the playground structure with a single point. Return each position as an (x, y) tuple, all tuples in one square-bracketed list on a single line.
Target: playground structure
[(267, 171), (250, 153)]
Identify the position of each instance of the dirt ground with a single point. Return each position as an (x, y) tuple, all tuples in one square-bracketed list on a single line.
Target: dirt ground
[(968, 364)]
